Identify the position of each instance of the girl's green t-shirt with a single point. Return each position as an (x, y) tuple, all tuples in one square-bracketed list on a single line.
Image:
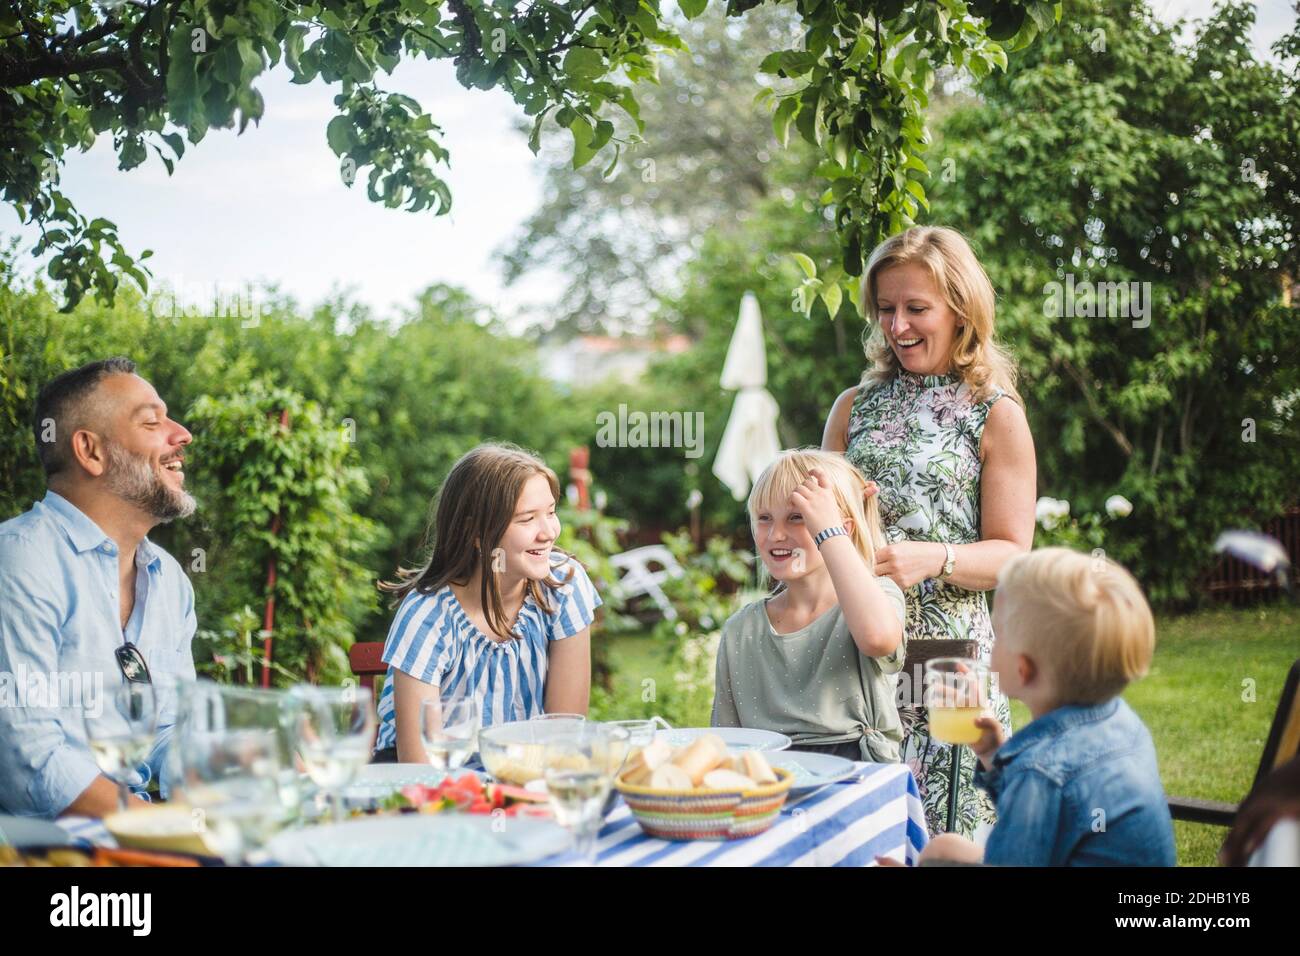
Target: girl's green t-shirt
[(813, 685)]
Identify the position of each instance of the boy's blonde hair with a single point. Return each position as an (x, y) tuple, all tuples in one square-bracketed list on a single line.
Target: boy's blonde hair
[(789, 469), (977, 358), (1083, 617)]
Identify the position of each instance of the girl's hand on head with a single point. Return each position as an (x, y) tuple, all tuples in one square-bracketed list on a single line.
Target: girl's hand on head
[(815, 500), (910, 562)]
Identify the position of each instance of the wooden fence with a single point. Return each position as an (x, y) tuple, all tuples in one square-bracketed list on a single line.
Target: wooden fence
[(1236, 582)]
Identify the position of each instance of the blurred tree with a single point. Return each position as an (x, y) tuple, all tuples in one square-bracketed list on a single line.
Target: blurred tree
[(279, 482), (409, 397), (1109, 154), (708, 158), (147, 71)]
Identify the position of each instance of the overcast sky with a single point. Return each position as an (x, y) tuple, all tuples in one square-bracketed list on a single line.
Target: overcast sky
[(269, 206)]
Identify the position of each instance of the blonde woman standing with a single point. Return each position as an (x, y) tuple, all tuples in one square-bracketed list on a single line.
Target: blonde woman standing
[(937, 424)]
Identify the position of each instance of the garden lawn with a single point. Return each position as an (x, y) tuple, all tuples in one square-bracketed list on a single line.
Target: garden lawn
[(1208, 701)]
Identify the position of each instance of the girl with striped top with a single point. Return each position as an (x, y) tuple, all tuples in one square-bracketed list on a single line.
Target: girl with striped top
[(497, 611)]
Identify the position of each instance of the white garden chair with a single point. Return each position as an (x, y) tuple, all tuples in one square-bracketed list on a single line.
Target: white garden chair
[(640, 577)]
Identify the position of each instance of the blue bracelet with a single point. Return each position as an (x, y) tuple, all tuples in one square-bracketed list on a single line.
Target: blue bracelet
[(828, 534)]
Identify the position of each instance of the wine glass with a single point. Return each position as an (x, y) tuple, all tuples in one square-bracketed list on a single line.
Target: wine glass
[(957, 690), (579, 767), (641, 733), (233, 788), (449, 729), (334, 729), (121, 735), (206, 707)]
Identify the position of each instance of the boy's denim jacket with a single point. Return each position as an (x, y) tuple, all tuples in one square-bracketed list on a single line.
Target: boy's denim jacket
[(1079, 786)]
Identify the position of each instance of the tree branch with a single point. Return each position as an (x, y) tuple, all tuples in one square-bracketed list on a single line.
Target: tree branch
[(1094, 406), (94, 33), (14, 73), (471, 39)]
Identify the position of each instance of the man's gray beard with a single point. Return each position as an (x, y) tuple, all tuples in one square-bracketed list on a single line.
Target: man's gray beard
[(132, 478)]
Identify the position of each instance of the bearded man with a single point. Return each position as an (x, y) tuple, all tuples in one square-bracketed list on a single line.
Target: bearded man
[(94, 619)]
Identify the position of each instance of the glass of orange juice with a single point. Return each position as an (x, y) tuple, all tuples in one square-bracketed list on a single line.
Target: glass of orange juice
[(957, 690)]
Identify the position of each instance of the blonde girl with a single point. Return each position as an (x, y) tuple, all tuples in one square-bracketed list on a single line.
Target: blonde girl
[(818, 658), (497, 612)]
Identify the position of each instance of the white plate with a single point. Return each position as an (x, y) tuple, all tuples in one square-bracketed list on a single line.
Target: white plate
[(736, 738), (29, 831), (421, 840), (377, 780), (812, 771)]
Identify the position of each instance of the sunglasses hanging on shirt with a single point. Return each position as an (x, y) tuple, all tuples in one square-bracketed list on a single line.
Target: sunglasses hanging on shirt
[(131, 662)]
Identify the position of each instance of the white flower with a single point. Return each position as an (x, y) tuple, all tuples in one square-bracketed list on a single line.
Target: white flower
[(1117, 506), (1050, 512)]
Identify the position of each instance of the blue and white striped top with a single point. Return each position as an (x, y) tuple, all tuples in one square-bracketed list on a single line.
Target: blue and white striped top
[(433, 640)]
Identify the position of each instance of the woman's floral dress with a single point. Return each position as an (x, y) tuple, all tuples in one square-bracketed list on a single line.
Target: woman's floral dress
[(918, 438)]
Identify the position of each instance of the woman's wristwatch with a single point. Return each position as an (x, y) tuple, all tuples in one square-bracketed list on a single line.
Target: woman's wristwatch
[(949, 562)]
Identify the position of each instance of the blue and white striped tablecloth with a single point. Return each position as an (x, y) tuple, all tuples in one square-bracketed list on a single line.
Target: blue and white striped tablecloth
[(877, 812)]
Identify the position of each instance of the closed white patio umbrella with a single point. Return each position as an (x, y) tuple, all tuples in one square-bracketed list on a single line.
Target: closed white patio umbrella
[(749, 442)]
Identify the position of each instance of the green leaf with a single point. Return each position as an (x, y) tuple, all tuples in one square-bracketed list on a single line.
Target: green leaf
[(340, 134), (176, 143), (841, 146), (604, 131), (832, 295), (852, 262), (582, 135), (863, 47), (627, 102), (613, 163), (293, 43), (584, 65), (535, 137), (806, 264), (785, 112), (918, 191), (692, 8), (1044, 15), (1005, 22)]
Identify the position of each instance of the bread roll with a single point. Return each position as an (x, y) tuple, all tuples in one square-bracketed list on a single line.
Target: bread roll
[(757, 767), (701, 757), (670, 777), (727, 780), (647, 760), (638, 775), (716, 742)]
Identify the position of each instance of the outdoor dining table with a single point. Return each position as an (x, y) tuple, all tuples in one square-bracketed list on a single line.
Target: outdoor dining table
[(875, 812)]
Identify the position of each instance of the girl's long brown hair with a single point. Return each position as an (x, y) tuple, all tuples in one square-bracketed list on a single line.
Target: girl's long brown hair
[(476, 503)]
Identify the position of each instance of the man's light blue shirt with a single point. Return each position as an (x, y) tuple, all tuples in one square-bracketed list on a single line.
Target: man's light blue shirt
[(59, 628)]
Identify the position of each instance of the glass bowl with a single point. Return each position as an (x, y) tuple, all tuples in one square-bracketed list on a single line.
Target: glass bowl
[(514, 752)]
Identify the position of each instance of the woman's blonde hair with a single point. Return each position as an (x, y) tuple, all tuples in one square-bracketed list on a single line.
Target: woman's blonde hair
[(473, 509), (977, 358), (789, 470), (1083, 617)]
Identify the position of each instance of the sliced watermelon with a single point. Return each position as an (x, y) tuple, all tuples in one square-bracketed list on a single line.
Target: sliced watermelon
[(507, 794)]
